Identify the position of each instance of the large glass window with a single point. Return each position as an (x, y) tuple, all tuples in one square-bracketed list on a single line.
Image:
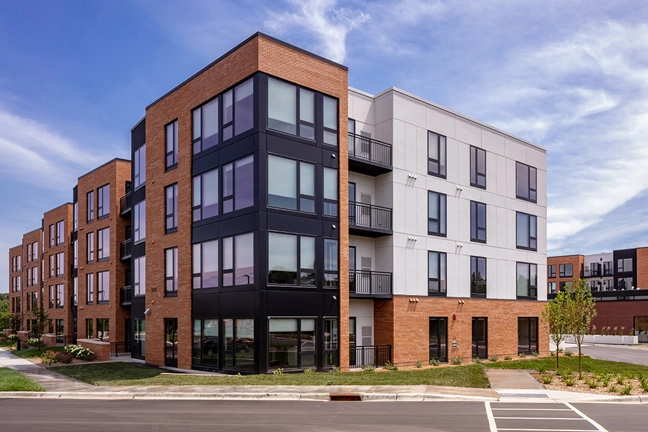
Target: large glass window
[(238, 345), (103, 201), (477, 167), (103, 287), (52, 236), (60, 296), (171, 194), (480, 337), (527, 280), (526, 182), (238, 184), (331, 278), (75, 252), (436, 273), (624, 265), (331, 339), (238, 260), (243, 107), (139, 166), (103, 244), (205, 195), (291, 259), (205, 126), (60, 233), (171, 145), (52, 267), (139, 276), (477, 222), (75, 216), (205, 265), (171, 272), (551, 287), (436, 214), (291, 184), (551, 271), (477, 276), (282, 106), (90, 247), (292, 343), (330, 191), (331, 119), (565, 270), (527, 231), (527, 335), (139, 221), (60, 264), (89, 288), (205, 343), (436, 154), (90, 206), (52, 297), (438, 334)]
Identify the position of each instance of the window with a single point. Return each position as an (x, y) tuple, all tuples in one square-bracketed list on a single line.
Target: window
[(436, 154), (139, 221), (477, 167), (438, 338), (238, 260), (90, 247), (551, 271), (551, 287), (607, 268), (60, 264), (171, 272), (436, 273), (171, 194), (624, 265), (103, 244), (34, 255), (625, 283), (51, 236), (477, 276), (91, 205), (103, 328), (52, 268), (527, 280), (527, 335), (60, 296), (103, 287), (238, 345), (103, 201), (330, 121), (34, 276), (330, 192), (566, 270), (331, 333), (205, 265), (564, 285), (171, 145), (285, 102), (477, 222), (205, 195), (89, 288), (52, 297), (75, 216), (75, 292), (75, 252), (89, 328), (60, 233), (291, 259), (291, 343), (436, 214), (205, 342), (205, 126), (139, 166), (139, 276), (479, 337), (527, 231), (243, 107), (526, 182), (238, 184), (331, 263), (291, 184)]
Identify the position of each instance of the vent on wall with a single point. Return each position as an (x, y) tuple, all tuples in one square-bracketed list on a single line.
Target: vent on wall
[(365, 198), (366, 336), (365, 263)]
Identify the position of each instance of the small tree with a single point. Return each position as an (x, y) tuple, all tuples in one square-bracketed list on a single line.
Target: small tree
[(554, 316), (581, 311), (41, 320), (15, 322)]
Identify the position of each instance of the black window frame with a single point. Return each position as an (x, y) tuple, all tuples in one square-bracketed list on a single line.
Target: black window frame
[(102, 191), (60, 233), (232, 271), (60, 296), (171, 155), (197, 141), (476, 154), (331, 205), (299, 122), (300, 345), (103, 292), (475, 228), (531, 239), (60, 264), (531, 289), (90, 208), (198, 261), (331, 272), (531, 172), (103, 244), (476, 342), (442, 161), (197, 208), (475, 283), (551, 271), (171, 263), (298, 186), (442, 217), (234, 197), (531, 348), (171, 209), (139, 167), (52, 236), (551, 287), (442, 278), (441, 336), (564, 272), (90, 288), (90, 248), (300, 271)]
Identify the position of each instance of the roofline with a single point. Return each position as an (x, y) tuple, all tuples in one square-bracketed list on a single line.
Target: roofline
[(565, 256), (138, 123), (17, 246), (56, 208), (255, 35), (32, 231), (103, 165)]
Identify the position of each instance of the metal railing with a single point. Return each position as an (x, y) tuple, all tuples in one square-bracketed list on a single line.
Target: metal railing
[(125, 295), (125, 203), (370, 216), (119, 348), (125, 249), (368, 149), (374, 355), (370, 283), (588, 272)]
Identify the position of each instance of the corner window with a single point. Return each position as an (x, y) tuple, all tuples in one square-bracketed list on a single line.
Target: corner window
[(437, 273), (139, 276), (103, 244), (566, 270), (205, 265), (330, 191), (436, 155), (103, 287), (477, 167), (205, 126), (139, 166), (171, 272), (291, 184), (527, 280), (331, 263), (205, 195), (477, 222), (330, 123), (238, 184), (526, 182), (238, 260), (139, 221), (103, 202), (243, 107), (551, 271), (171, 194), (90, 247), (60, 233), (172, 145), (291, 343), (527, 231), (291, 259), (91, 204), (477, 276), (436, 214), (89, 288)]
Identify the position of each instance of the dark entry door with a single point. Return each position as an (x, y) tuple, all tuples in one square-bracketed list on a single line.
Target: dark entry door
[(479, 337), (171, 342), (439, 339)]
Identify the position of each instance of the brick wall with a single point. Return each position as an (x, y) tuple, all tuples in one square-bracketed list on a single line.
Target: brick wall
[(30, 237), (575, 260), (642, 268), (618, 313)]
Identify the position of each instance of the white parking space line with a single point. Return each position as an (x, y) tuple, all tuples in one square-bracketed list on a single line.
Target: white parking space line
[(529, 409), (492, 411), (491, 419), (592, 422), (547, 430)]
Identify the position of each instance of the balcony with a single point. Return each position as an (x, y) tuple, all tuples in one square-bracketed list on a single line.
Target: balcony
[(374, 355), (592, 272), (370, 284), (369, 156), (125, 295), (369, 220), (126, 204), (125, 249)]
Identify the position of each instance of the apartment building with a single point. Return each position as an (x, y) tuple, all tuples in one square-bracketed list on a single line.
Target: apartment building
[(283, 220)]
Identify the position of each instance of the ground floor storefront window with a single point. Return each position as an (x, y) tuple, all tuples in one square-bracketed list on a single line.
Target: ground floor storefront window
[(292, 343), (527, 335), (439, 339)]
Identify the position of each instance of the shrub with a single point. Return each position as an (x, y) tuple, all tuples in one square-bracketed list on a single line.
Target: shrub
[(493, 358), (457, 360), (79, 352), (535, 354), (612, 389), (12, 338), (560, 350), (591, 383), (568, 380), (419, 364), (50, 357), (569, 353), (434, 362), (552, 353), (561, 372), (615, 331), (334, 369), (477, 360), (35, 341), (547, 378), (605, 380), (541, 368), (521, 355), (389, 366), (627, 389), (508, 358), (620, 379), (309, 371), (278, 371), (368, 368), (644, 384)]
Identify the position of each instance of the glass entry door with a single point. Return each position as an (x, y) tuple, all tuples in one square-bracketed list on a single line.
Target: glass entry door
[(171, 342), (439, 339), (480, 338)]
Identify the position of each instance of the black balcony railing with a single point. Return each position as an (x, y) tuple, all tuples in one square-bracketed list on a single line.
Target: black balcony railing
[(370, 284), (126, 203), (370, 217), (368, 149), (119, 348), (125, 295), (125, 249), (591, 272), (374, 355)]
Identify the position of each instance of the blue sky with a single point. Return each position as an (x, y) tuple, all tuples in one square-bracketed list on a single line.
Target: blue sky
[(572, 76)]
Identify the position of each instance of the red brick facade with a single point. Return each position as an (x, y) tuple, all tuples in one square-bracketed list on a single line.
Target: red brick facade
[(577, 264)]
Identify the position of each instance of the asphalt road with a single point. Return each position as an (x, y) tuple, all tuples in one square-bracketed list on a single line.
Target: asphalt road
[(232, 416), (620, 354)]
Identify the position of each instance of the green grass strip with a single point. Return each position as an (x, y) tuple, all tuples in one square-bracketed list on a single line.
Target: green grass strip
[(10, 380)]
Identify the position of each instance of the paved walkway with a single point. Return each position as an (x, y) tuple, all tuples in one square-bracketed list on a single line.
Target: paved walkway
[(619, 353)]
